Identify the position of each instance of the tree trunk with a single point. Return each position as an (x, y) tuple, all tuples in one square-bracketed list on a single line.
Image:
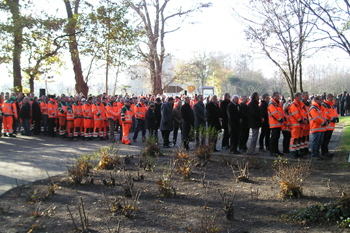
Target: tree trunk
[(80, 84), (31, 83), (17, 45)]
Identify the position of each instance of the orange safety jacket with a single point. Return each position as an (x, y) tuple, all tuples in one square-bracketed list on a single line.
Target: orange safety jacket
[(98, 110), (87, 113), (317, 116), (112, 110), (9, 108), (119, 109), (126, 114), (62, 109), (331, 114), (51, 109), (276, 114), (43, 107), (77, 110), (296, 114), (140, 111), (70, 114)]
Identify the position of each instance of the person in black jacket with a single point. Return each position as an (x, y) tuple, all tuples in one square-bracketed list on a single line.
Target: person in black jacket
[(199, 121), (36, 116), (157, 111), (223, 106), (214, 119), (254, 121), (265, 127), (150, 121), (187, 122), (25, 116), (244, 134), (234, 123)]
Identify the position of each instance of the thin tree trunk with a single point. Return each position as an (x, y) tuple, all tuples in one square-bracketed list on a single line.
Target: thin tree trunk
[(17, 45), (80, 84)]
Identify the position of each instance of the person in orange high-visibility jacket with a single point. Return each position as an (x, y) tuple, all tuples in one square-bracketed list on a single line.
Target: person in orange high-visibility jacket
[(62, 115), (333, 117), (126, 116), (120, 105), (43, 109), (297, 118), (98, 111), (112, 116), (318, 125), (77, 108), (140, 117), (88, 119), (1, 104), (306, 127), (276, 120), (70, 118), (52, 115), (9, 110)]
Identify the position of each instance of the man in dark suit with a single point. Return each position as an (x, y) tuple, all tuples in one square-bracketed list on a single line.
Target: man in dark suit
[(234, 123), (214, 118), (187, 122), (166, 122), (244, 134), (223, 107), (265, 127), (199, 121), (255, 119)]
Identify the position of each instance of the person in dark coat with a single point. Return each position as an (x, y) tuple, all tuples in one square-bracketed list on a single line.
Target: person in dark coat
[(36, 116), (166, 122), (223, 107), (244, 134), (157, 111), (199, 121), (25, 116), (254, 121), (151, 121), (265, 127), (187, 122), (234, 123), (177, 120), (214, 119)]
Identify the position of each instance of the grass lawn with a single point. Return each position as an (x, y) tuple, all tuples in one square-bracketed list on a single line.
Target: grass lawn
[(344, 147)]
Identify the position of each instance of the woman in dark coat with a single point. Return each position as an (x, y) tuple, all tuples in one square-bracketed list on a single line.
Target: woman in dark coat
[(187, 122), (166, 122), (25, 116), (151, 120), (255, 120), (214, 118)]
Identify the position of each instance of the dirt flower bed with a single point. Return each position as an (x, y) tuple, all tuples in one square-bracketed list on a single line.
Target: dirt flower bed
[(130, 198)]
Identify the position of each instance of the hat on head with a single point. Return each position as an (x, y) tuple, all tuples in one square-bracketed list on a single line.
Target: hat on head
[(83, 99), (127, 101), (90, 98), (158, 100), (170, 99)]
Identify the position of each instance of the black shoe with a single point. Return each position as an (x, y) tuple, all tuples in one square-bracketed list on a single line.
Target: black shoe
[(134, 140), (6, 135), (216, 150), (279, 153), (274, 154), (167, 146), (316, 158), (12, 136), (224, 148)]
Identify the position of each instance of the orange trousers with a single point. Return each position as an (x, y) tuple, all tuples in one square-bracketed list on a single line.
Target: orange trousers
[(296, 135), (126, 129)]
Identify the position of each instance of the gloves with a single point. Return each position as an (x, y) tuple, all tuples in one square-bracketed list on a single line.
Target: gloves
[(62, 111), (300, 121), (324, 123), (98, 114), (281, 120), (336, 120)]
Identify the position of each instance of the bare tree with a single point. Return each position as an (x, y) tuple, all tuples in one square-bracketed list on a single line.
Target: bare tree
[(281, 30), (334, 16), (154, 20)]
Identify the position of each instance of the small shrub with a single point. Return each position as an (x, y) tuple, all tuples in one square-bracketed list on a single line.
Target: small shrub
[(243, 172), (108, 158), (228, 205), (203, 153), (164, 184), (334, 212), (183, 163), (79, 169), (290, 176), (207, 224), (151, 147)]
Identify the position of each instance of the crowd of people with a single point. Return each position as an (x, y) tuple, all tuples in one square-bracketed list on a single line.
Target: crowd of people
[(199, 119)]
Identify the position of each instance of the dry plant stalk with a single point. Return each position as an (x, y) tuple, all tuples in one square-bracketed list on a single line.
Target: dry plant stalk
[(151, 147), (290, 176), (108, 162), (203, 153), (183, 163), (228, 204), (243, 172), (78, 170)]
